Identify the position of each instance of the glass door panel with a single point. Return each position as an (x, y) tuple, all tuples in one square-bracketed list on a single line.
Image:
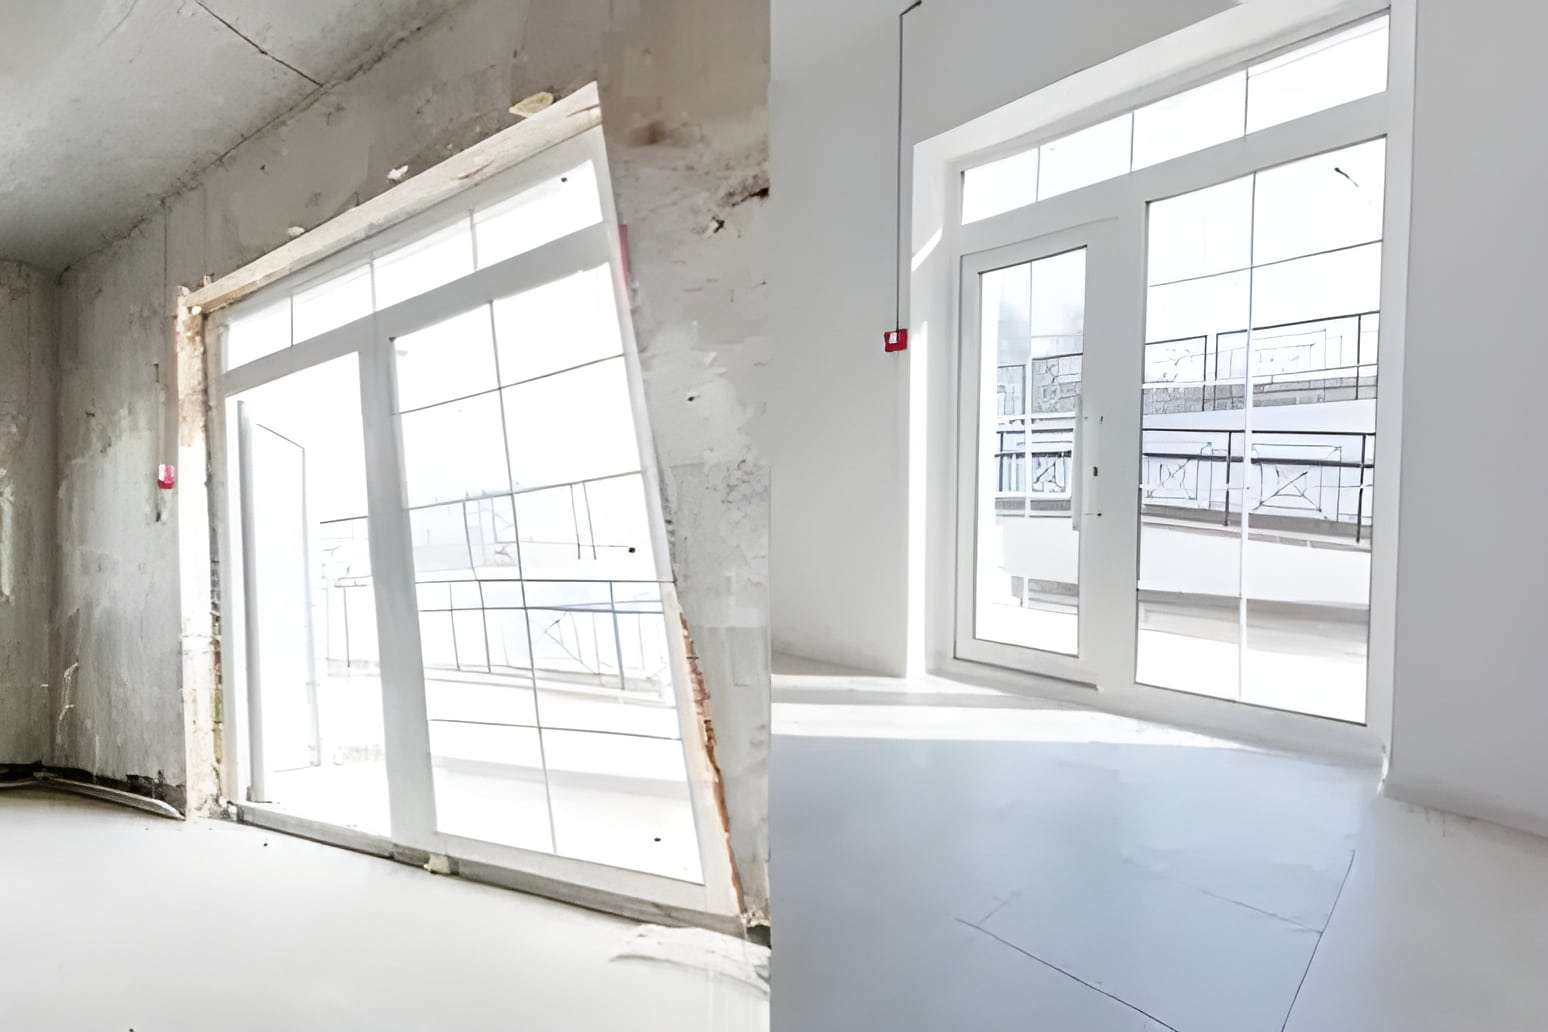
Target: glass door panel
[(1032, 333), (312, 667)]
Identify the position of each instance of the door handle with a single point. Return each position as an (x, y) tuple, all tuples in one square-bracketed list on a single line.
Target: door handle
[(1077, 467), (1084, 497)]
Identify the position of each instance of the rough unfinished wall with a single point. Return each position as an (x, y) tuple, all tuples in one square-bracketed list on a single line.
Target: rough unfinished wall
[(698, 299), (685, 112), (118, 700), (28, 349), (116, 706)]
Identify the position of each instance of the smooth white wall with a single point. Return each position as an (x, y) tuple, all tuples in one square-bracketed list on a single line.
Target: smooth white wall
[(1470, 720), (838, 412)]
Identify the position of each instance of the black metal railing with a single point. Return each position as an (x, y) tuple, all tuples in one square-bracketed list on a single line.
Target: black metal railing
[(1194, 472)]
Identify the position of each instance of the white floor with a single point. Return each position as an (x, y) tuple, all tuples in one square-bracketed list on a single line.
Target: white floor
[(950, 858), (116, 920)]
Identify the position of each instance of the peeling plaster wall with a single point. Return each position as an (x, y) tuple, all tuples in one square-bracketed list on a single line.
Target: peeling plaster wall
[(28, 382), (690, 173), (684, 83)]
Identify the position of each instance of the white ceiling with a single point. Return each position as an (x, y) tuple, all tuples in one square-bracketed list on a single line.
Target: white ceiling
[(106, 106)]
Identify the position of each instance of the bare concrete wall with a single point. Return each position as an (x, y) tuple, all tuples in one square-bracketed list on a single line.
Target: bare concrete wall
[(115, 703), (685, 113), (685, 83), (28, 381)]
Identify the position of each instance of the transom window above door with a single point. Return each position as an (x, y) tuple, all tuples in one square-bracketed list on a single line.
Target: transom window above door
[(1333, 69)]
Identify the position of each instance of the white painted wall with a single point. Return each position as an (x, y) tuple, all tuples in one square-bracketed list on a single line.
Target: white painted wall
[(1470, 728), (1470, 721), (838, 409)]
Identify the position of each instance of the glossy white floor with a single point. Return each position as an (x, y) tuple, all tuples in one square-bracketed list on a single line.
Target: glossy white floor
[(947, 857), (119, 920)]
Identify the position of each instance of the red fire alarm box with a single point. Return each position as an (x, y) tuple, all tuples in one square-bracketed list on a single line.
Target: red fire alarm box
[(895, 340), (166, 476)]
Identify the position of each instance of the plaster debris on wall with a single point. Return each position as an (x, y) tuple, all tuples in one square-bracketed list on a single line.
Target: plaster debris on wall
[(529, 106)]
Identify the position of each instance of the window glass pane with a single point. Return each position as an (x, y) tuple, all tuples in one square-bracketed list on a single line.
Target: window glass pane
[(423, 264), (332, 303), (1190, 552), (258, 332), (571, 426), (642, 637), (1200, 233), (1190, 121), (575, 647), (1197, 307), (596, 530), (1289, 360), (451, 359), (1324, 73), (546, 212), (1175, 361), (642, 820), (491, 531), (999, 186), (558, 325), (463, 539), (1338, 283), (1085, 157), (1255, 519), (1331, 200), (490, 784), (452, 451), (479, 699), (506, 624), (1191, 469)]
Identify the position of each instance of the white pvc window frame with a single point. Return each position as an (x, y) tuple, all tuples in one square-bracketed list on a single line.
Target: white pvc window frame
[(946, 251), (405, 720)]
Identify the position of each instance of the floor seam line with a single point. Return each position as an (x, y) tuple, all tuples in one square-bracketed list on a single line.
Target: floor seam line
[(998, 907), (1292, 922), (1331, 910), (1074, 978), (1145, 868)]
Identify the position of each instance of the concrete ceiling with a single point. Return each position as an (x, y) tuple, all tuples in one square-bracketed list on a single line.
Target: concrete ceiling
[(106, 106)]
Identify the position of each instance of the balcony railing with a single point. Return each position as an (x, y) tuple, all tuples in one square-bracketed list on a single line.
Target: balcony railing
[(1200, 473)]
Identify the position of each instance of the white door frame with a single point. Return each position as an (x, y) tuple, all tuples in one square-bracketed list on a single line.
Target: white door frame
[(405, 720), (933, 274), (1099, 468)]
